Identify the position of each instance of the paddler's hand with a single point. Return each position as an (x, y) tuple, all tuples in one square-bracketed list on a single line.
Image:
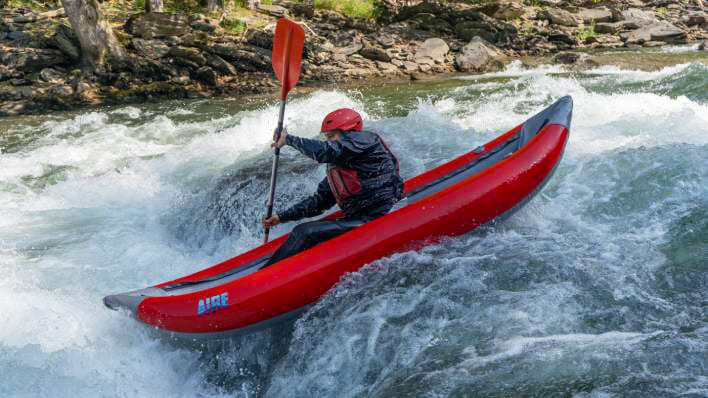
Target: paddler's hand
[(271, 222), (279, 143)]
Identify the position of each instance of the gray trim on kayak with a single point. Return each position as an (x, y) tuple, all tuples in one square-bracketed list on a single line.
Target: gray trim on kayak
[(131, 300), (268, 323)]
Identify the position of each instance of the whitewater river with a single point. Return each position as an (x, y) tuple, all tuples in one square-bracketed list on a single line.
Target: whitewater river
[(597, 288)]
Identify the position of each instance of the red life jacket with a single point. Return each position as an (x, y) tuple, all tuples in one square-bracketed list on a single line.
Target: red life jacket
[(345, 182)]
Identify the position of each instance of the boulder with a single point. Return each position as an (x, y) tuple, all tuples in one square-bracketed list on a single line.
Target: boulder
[(9, 73), (386, 41), (50, 75), (479, 56), (560, 36), (205, 25), (641, 17), (503, 9), (694, 19), (274, 10), (387, 67), (431, 22), (207, 75), (350, 49), (409, 66), (662, 31), (435, 49), (63, 90), (566, 58), (65, 40), (157, 24), (153, 49), (260, 38), (188, 53), (195, 38), (467, 30), (703, 46), (375, 54), (32, 59), (595, 15), (221, 64), (559, 16), (614, 27), (245, 58), (20, 82)]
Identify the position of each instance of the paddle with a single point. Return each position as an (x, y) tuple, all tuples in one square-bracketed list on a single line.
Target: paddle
[(288, 43)]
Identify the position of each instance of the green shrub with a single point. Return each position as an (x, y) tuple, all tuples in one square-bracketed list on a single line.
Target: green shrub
[(362, 9), (233, 26), (586, 33)]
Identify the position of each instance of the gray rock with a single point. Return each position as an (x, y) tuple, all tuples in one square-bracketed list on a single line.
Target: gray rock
[(8, 73), (260, 38), (25, 18), (20, 82), (18, 36), (172, 40), (50, 75), (350, 49), (63, 90), (562, 37), (188, 53), (221, 64), (65, 40), (479, 56), (703, 46), (654, 44), (387, 67), (559, 16), (31, 59), (614, 27), (595, 15), (245, 58), (467, 30), (431, 22), (662, 31), (207, 75), (409, 67), (386, 41), (668, 34), (375, 54), (435, 49), (639, 16), (503, 9), (566, 58), (157, 24), (153, 49), (693, 19), (204, 24), (276, 11)]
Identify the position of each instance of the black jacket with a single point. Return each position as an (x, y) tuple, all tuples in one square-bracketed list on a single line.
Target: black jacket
[(361, 151)]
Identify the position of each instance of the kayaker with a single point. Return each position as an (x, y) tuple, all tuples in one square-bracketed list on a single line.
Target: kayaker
[(362, 178)]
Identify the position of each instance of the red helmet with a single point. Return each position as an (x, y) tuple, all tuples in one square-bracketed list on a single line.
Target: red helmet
[(344, 119)]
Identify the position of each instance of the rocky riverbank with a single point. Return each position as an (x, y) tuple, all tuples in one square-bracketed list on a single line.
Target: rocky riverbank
[(192, 56)]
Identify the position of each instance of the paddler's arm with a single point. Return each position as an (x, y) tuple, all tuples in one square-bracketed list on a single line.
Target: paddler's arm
[(350, 146), (315, 205)]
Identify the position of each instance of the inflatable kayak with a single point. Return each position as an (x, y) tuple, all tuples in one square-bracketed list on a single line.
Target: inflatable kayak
[(478, 188)]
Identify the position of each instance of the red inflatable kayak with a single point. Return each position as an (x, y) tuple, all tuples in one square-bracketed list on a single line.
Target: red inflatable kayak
[(481, 187)]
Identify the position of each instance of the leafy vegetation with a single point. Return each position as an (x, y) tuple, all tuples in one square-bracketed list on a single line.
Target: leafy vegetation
[(233, 25), (362, 9), (586, 33)]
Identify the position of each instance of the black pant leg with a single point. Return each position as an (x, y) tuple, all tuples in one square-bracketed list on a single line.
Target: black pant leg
[(309, 234)]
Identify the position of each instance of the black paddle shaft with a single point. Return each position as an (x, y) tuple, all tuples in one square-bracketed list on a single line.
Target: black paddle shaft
[(274, 170)]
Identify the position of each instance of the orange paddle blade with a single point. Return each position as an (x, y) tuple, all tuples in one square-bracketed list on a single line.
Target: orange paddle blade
[(288, 43)]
